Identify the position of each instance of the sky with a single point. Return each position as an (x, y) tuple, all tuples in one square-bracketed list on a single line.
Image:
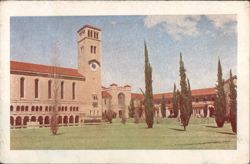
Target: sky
[(202, 40)]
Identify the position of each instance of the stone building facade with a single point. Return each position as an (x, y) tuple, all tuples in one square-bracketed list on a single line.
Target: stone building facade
[(117, 98), (78, 91)]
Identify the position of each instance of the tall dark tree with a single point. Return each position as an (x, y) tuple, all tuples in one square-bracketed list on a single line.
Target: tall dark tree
[(184, 96), (220, 100), (163, 107), (233, 103), (190, 99), (148, 98), (131, 109), (175, 102)]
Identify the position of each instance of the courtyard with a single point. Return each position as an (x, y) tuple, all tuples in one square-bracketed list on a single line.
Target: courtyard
[(201, 133)]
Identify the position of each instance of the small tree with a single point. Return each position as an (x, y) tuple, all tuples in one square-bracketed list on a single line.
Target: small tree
[(109, 115), (184, 96), (55, 89), (136, 115), (163, 107), (148, 97), (131, 109), (220, 100), (233, 103), (175, 102), (124, 116)]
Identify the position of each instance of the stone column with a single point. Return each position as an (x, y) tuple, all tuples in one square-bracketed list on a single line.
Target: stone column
[(208, 112), (14, 123)]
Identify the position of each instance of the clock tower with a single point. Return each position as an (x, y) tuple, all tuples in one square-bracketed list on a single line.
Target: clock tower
[(89, 65)]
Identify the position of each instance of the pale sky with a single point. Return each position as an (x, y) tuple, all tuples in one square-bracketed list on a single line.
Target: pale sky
[(201, 39)]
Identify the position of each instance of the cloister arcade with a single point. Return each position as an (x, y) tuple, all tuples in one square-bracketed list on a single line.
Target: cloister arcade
[(38, 116)]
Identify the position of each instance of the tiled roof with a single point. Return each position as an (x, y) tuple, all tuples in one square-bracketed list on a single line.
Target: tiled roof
[(195, 92), (105, 94), (38, 68), (89, 26), (137, 96), (203, 92), (159, 96)]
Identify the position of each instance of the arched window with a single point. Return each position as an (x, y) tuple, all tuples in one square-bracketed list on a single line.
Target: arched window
[(49, 89), (32, 108), (65, 108), (41, 108), (26, 108), (46, 108), (22, 108), (37, 108), (22, 87), (11, 108), (121, 99), (62, 83), (36, 88), (18, 108), (73, 90)]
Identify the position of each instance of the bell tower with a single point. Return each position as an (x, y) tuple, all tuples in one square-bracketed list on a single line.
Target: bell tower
[(89, 65)]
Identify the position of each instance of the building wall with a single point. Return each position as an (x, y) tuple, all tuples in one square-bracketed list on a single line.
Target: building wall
[(114, 91), (29, 106)]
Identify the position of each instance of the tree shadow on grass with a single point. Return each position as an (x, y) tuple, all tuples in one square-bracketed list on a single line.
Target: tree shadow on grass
[(203, 143), (176, 129), (208, 126), (59, 134), (226, 133)]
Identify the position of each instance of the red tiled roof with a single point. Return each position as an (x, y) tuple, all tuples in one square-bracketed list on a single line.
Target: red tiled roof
[(203, 92), (89, 26), (159, 96), (38, 68), (137, 96), (105, 94)]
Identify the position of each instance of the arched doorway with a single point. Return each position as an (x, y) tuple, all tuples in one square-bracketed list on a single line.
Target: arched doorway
[(59, 119), (25, 120), (121, 103), (33, 118), (65, 120), (40, 120), (19, 121), (77, 119), (71, 119), (46, 120), (11, 121)]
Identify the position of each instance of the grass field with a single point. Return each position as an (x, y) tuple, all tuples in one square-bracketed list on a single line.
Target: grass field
[(201, 134)]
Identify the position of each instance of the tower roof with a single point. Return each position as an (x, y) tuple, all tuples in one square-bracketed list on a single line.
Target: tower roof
[(89, 26)]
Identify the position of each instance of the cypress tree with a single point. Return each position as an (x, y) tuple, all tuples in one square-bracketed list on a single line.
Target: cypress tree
[(190, 99), (163, 107), (175, 102), (148, 98), (184, 96), (220, 100), (233, 103)]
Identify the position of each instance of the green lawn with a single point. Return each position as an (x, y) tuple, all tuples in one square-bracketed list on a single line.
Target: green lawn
[(201, 134)]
